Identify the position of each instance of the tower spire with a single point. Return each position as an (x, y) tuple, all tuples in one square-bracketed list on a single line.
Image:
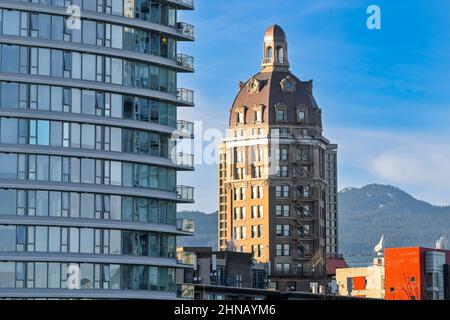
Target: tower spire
[(275, 50)]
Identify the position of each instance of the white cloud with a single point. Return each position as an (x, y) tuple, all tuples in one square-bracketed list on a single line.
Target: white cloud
[(417, 163)]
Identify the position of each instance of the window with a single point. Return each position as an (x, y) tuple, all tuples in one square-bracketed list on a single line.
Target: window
[(89, 68), (55, 168), (301, 116), (41, 239), (280, 115), (86, 240), (8, 200), (7, 238), (282, 191), (54, 236), (282, 154), (241, 117), (282, 171), (270, 54), (11, 22), (258, 116), (280, 51), (9, 130), (10, 58)]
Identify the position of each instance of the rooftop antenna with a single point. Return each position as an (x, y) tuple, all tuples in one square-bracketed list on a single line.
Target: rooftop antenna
[(379, 247)]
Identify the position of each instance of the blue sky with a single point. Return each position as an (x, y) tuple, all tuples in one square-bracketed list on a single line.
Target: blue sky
[(385, 94)]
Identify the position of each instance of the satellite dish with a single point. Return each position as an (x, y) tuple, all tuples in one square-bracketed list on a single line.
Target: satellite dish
[(230, 281), (379, 247), (442, 243)]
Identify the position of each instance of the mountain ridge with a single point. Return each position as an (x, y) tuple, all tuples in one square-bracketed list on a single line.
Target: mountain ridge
[(364, 215)]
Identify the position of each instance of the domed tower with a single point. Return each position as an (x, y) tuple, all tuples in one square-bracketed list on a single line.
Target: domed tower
[(273, 185)]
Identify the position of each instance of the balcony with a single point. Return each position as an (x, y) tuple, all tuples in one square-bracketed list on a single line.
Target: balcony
[(186, 127), (185, 291), (267, 61), (185, 96), (185, 193), (185, 61), (186, 225), (186, 257), (186, 29), (183, 159), (189, 3)]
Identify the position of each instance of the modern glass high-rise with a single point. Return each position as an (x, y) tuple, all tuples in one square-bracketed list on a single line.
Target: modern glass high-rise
[(88, 164)]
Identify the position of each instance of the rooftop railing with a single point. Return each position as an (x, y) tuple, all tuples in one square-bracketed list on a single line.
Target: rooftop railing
[(186, 29), (185, 96), (186, 127), (185, 61), (186, 225), (185, 193)]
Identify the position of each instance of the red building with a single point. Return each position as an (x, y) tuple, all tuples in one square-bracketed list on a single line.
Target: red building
[(417, 274)]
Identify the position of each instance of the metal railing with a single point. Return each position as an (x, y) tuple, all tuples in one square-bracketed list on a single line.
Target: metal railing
[(185, 193), (186, 127), (267, 61), (185, 61), (186, 29), (186, 225), (185, 95), (183, 159)]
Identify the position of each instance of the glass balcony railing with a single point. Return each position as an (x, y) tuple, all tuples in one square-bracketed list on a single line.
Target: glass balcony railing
[(189, 3), (185, 193), (183, 159), (186, 225), (185, 61), (186, 291), (185, 96), (186, 127), (186, 29), (185, 258)]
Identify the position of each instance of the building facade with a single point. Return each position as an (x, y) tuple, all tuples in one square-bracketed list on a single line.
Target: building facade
[(332, 200), (88, 135), (362, 282), (417, 274), (273, 184), (222, 275)]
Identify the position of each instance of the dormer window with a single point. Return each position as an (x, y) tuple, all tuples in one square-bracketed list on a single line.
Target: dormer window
[(258, 113), (258, 116), (280, 115), (241, 117), (301, 116)]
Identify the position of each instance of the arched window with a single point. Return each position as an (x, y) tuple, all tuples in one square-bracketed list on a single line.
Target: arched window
[(269, 53), (280, 52)]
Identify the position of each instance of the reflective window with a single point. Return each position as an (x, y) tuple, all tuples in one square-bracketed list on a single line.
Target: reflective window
[(7, 200), (7, 238), (87, 240), (11, 22), (7, 277), (8, 130), (8, 166)]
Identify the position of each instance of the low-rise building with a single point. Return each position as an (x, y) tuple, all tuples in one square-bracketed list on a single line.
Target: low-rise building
[(221, 275), (417, 274), (362, 282)]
